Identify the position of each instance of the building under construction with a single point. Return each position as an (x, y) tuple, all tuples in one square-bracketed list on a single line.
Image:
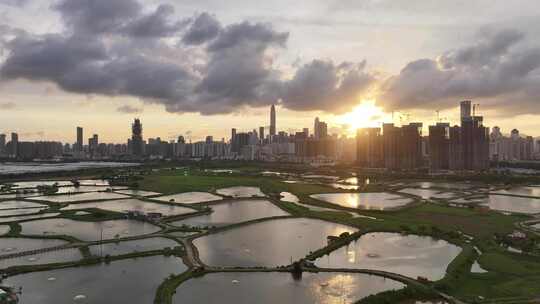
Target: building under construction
[(464, 147)]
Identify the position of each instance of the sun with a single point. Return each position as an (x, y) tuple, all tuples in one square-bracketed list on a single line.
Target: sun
[(366, 115)]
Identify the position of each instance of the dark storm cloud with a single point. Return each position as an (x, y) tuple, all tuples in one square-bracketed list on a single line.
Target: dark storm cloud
[(257, 35), (49, 57), (86, 66), (487, 51), (501, 69), (322, 85), (238, 72), (156, 24), (97, 16), (91, 17), (116, 48), (127, 109), (204, 28)]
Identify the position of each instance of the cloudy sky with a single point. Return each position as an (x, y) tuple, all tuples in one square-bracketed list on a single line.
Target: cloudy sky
[(198, 68)]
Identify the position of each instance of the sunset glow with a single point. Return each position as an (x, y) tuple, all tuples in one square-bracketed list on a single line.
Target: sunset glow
[(367, 114)]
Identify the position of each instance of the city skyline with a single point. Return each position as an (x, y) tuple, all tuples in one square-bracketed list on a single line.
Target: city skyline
[(468, 145), (440, 61), (334, 129)]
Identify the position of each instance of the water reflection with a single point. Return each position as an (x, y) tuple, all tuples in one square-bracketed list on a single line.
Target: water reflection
[(19, 204), (4, 229), (289, 197), (526, 191), (125, 281), (80, 197), (270, 288), (62, 256), (270, 243), (119, 248), (88, 231), (15, 245), (189, 197), (513, 204), (27, 217), (133, 205), (241, 192), (427, 193), (374, 200), (409, 255), (14, 212), (234, 212)]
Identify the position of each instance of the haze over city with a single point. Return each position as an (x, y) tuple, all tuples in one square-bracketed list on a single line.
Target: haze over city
[(190, 68)]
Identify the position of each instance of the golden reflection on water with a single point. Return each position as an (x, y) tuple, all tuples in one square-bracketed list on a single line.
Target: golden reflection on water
[(336, 290), (355, 201), (351, 255)]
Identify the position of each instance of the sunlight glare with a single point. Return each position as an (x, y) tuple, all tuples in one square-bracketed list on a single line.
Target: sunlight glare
[(366, 115)]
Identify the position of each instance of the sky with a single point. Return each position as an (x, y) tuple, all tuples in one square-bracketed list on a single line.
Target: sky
[(197, 68)]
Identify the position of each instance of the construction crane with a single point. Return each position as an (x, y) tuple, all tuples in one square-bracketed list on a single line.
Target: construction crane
[(474, 108), (439, 118), (402, 115)]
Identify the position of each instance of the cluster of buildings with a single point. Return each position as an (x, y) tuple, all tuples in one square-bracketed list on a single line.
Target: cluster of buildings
[(468, 146), (513, 147), (464, 147), (262, 144), (456, 148)]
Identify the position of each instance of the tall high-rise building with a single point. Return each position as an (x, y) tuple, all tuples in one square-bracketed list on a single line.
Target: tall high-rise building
[(137, 144), (273, 121), (475, 139), (261, 134), (465, 110), (233, 133), (79, 145), (411, 146), (93, 144), (455, 149), (369, 147), (14, 145), (468, 144), (391, 141), (2, 143), (320, 129), (439, 136), (316, 128)]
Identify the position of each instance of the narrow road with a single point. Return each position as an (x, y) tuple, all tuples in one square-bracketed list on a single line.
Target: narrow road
[(41, 250), (190, 253)]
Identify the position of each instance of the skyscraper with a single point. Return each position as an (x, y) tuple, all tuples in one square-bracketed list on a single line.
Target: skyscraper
[(439, 139), (261, 134), (79, 145), (316, 128), (93, 143), (14, 144), (369, 147), (273, 121), (137, 138), (465, 109), (320, 129), (2, 143)]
